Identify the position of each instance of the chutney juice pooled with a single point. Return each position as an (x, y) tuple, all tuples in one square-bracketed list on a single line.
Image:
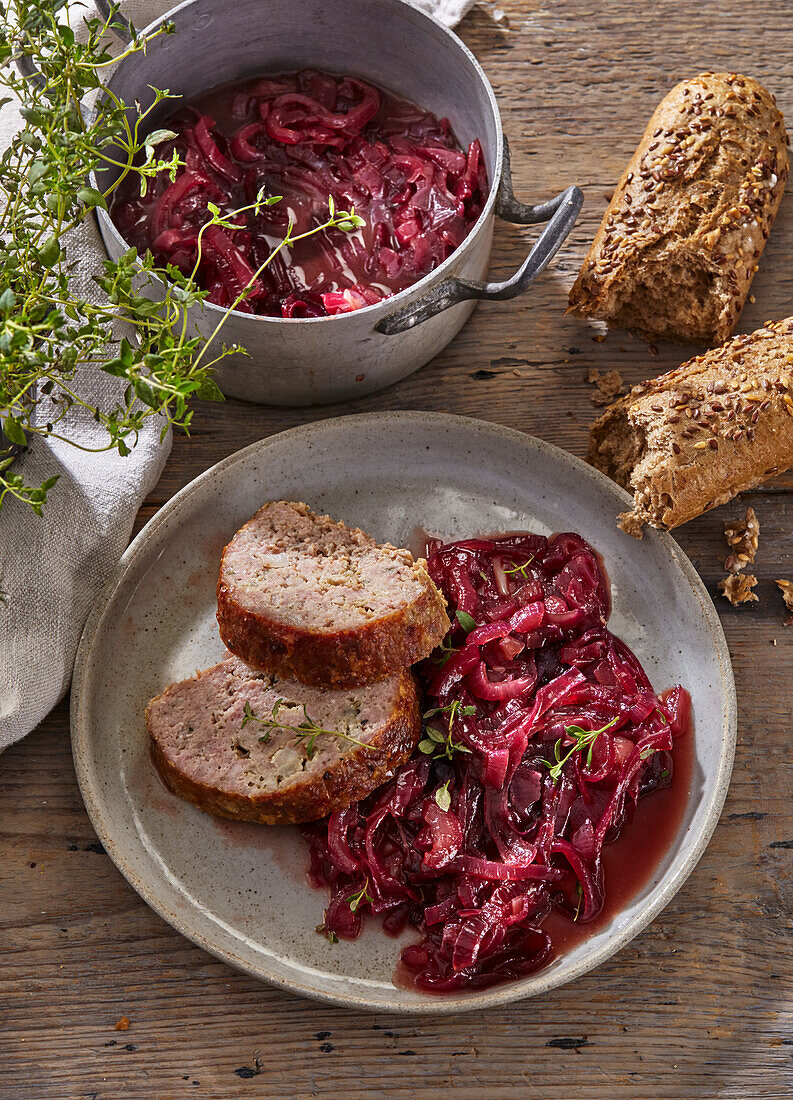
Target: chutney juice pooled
[(307, 137)]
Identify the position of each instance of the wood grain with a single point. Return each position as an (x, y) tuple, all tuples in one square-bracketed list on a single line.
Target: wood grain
[(700, 1005)]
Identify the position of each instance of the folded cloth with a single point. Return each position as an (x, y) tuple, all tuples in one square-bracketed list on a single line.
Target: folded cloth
[(449, 12), (53, 567)]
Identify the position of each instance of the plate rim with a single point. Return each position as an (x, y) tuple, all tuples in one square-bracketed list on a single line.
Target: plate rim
[(542, 981)]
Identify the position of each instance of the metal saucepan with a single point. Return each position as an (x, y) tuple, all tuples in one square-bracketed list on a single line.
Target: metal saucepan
[(316, 360)]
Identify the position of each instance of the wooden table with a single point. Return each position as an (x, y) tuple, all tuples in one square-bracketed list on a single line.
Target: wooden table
[(701, 1004)]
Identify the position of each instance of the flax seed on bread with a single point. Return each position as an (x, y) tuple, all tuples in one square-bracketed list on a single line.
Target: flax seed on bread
[(309, 598), (697, 436), (683, 234), (211, 752)]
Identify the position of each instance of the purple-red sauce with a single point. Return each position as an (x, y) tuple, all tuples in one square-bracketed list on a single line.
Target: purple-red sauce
[(307, 136), (496, 856)]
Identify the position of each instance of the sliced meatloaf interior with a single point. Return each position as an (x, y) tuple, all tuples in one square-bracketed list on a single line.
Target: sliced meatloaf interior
[(306, 596), (244, 744)]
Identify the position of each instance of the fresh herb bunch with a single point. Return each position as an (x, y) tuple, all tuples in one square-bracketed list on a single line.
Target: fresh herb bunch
[(48, 328)]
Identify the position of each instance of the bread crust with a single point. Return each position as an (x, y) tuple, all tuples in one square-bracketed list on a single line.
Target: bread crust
[(343, 658), (354, 776), (697, 436), (683, 234)]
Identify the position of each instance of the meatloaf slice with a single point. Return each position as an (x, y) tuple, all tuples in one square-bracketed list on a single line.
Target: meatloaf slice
[(210, 746), (309, 598)]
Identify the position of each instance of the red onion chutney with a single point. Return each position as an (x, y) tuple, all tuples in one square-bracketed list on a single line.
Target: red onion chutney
[(542, 735), (306, 136)]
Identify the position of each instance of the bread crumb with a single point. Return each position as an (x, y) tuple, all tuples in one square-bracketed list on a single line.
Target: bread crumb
[(122, 1024), (610, 385), (786, 588), (738, 589), (742, 538), (601, 336)]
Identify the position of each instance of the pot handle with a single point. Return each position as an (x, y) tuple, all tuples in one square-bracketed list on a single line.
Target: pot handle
[(562, 212)]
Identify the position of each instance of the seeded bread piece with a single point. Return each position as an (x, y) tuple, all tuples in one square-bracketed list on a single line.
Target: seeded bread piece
[(683, 234), (208, 754), (311, 599), (695, 437)]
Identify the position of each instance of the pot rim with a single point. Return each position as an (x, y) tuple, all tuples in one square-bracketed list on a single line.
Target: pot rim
[(426, 282)]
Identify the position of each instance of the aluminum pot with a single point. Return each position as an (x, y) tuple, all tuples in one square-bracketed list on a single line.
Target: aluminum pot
[(315, 360)]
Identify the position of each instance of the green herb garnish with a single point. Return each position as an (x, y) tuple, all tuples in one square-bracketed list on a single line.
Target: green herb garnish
[(438, 743), (307, 731), (583, 739), (362, 896), (442, 796), (328, 933), (580, 892), (444, 652), (49, 327), (521, 568), (466, 621)]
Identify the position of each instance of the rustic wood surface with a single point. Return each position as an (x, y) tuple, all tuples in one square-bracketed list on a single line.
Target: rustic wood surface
[(700, 1005)]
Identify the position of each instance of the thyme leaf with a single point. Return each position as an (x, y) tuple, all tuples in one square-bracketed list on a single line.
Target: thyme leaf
[(329, 934), (466, 621), (444, 652), (580, 892), (442, 796)]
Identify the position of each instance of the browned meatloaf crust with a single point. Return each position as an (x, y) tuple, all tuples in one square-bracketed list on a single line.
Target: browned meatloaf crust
[(209, 753), (311, 599)]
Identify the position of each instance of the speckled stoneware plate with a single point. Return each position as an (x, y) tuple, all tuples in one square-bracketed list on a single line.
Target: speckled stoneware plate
[(240, 891)]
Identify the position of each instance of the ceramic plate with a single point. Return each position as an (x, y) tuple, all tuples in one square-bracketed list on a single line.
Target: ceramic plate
[(240, 891)]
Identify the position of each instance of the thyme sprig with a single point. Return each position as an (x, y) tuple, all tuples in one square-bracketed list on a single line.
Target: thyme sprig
[(306, 732), (444, 652), (49, 327), (437, 743), (582, 740), (520, 568), (580, 893), (328, 933), (361, 897)]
